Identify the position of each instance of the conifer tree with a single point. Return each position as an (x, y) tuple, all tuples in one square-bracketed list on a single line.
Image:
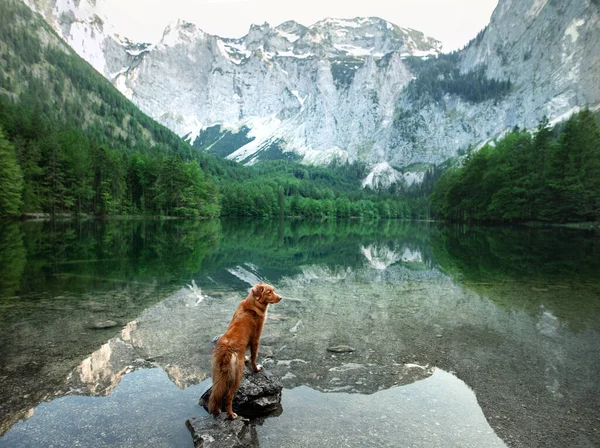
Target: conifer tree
[(11, 179)]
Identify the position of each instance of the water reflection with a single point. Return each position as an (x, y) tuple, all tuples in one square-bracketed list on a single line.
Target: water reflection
[(512, 312), (147, 409)]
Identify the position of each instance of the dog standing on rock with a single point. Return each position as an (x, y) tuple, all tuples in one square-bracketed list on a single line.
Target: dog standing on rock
[(229, 356)]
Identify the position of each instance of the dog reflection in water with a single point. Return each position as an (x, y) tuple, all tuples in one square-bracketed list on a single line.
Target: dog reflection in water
[(229, 355)]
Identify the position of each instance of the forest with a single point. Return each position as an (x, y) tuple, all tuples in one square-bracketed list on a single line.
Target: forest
[(551, 175)]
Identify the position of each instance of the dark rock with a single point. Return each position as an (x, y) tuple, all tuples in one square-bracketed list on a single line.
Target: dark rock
[(340, 349), (219, 432), (100, 325), (259, 394)]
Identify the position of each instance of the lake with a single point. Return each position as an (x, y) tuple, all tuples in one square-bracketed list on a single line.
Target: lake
[(462, 336)]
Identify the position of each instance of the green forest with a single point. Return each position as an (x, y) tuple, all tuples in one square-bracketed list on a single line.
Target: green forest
[(441, 75), (552, 175), (71, 143)]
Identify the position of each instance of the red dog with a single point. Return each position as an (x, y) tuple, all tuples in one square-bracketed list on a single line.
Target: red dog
[(228, 358)]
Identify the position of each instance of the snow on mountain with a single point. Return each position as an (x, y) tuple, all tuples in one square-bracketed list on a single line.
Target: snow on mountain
[(335, 90), (90, 35)]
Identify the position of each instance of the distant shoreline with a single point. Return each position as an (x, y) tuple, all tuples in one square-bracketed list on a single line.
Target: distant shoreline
[(33, 217)]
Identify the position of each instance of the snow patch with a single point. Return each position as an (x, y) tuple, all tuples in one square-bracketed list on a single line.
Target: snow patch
[(353, 50), (240, 48), (291, 54), (260, 129), (571, 30), (221, 46), (338, 22), (193, 131), (120, 83), (300, 99), (140, 51), (424, 53), (290, 37)]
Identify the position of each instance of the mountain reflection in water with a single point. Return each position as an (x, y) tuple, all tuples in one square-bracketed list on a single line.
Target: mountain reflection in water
[(512, 312)]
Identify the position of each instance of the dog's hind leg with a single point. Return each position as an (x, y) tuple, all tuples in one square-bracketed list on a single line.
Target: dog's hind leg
[(222, 377), (238, 371)]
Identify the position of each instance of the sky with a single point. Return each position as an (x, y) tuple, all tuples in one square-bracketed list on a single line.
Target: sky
[(453, 22)]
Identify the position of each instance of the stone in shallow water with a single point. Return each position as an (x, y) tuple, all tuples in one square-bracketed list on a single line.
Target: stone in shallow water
[(219, 432), (100, 325), (259, 394), (340, 349)]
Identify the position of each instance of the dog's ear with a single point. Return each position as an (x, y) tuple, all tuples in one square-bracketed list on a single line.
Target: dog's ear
[(257, 290)]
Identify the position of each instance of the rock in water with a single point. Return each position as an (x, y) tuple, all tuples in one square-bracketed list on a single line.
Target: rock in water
[(209, 432), (340, 349), (101, 325), (258, 395)]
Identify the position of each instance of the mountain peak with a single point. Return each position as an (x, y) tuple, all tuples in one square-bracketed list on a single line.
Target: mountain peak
[(355, 22), (179, 31)]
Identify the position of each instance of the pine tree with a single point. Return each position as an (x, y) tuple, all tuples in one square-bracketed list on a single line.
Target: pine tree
[(11, 179)]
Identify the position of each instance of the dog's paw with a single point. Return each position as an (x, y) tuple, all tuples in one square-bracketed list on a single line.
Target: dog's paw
[(246, 358), (258, 368), (233, 416)]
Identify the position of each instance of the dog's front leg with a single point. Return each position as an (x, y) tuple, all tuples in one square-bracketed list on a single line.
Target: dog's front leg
[(254, 354)]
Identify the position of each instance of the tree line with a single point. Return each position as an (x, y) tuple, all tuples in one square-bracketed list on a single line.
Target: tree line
[(552, 175), (442, 75)]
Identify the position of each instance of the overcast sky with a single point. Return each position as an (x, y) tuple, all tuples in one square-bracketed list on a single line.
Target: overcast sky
[(454, 22)]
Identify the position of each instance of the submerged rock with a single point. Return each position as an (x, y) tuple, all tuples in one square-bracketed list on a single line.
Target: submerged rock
[(340, 349), (100, 325), (259, 394)]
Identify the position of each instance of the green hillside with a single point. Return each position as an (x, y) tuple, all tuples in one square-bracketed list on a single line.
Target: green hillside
[(81, 146), (552, 175)]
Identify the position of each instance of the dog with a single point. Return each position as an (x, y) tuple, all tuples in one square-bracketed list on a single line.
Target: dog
[(229, 354)]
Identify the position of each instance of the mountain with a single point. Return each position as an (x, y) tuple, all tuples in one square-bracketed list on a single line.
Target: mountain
[(80, 146), (360, 89), (75, 145), (549, 51)]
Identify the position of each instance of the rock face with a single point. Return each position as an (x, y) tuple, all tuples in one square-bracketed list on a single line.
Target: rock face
[(336, 89), (259, 394), (544, 47)]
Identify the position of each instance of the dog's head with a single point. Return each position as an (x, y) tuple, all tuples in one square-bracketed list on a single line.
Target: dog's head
[(265, 293)]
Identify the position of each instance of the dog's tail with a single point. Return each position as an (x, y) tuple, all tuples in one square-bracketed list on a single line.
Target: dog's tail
[(224, 366)]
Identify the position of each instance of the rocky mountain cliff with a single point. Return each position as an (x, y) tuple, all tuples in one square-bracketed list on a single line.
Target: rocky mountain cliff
[(341, 89)]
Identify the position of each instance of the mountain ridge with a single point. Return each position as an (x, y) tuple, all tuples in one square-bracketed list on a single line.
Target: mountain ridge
[(328, 92)]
